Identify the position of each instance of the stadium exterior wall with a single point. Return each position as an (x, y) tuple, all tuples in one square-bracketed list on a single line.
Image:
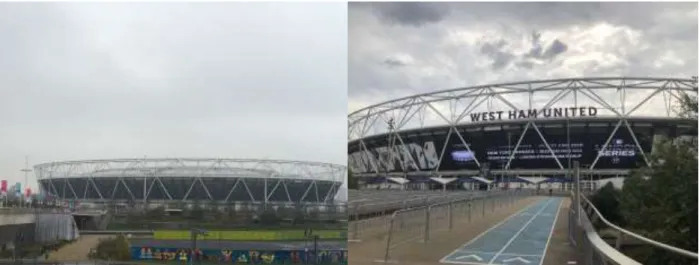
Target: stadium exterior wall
[(530, 128), (191, 180), (540, 147)]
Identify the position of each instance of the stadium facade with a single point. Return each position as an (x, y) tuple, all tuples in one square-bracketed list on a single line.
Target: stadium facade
[(535, 129), (187, 180)]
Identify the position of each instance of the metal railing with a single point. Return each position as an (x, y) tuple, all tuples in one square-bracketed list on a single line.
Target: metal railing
[(377, 214), (591, 248), (420, 223)]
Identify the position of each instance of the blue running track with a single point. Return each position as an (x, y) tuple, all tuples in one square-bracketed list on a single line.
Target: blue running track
[(520, 239)]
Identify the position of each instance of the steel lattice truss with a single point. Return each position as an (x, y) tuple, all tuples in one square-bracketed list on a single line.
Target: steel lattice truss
[(619, 98), (187, 179)]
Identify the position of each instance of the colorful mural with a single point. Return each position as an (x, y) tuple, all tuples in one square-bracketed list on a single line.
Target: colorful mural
[(239, 256)]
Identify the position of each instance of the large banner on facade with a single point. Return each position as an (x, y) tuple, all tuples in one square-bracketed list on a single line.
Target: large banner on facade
[(548, 148)]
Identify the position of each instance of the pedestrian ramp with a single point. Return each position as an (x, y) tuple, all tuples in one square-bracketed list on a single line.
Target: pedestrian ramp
[(521, 238)]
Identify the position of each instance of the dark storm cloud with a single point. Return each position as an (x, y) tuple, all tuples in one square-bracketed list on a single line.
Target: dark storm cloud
[(640, 15), (495, 51), (539, 51), (470, 43), (502, 58), (556, 48), (414, 14), (109, 80), (393, 62)]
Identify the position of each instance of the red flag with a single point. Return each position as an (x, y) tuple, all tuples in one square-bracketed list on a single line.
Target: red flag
[(28, 192), (3, 186)]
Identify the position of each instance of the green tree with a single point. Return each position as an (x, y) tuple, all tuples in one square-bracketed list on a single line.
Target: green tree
[(660, 202), (689, 107), (606, 200)]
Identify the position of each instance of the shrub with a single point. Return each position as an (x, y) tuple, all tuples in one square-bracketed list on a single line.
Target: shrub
[(113, 249)]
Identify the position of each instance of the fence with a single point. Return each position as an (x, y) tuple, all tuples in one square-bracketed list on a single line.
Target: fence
[(250, 235), (591, 248), (375, 225), (419, 223), (380, 210)]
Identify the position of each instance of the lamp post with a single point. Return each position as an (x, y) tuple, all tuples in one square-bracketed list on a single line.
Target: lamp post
[(26, 171), (195, 232)]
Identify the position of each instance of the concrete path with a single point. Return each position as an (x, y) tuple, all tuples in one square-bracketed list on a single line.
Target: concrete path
[(560, 252), (77, 250), (368, 251)]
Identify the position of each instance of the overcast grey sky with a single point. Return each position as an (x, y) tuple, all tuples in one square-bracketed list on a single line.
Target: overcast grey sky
[(113, 80), (400, 49)]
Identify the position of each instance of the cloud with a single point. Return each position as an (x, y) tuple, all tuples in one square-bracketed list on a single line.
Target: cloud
[(556, 48), (414, 14), (111, 80), (391, 62), (499, 56), (466, 44)]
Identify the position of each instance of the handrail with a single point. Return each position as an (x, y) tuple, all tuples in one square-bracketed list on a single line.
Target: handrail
[(598, 243), (427, 206), (428, 200), (639, 237)]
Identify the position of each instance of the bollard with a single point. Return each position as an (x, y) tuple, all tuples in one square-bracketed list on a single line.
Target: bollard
[(483, 208)]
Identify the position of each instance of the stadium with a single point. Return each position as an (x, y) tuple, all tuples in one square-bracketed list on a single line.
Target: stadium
[(187, 180), (514, 131)]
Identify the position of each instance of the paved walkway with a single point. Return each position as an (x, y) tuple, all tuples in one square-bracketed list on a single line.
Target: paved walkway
[(520, 239), (560, 252), (524, 229), (440, 244), (77, 250)]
